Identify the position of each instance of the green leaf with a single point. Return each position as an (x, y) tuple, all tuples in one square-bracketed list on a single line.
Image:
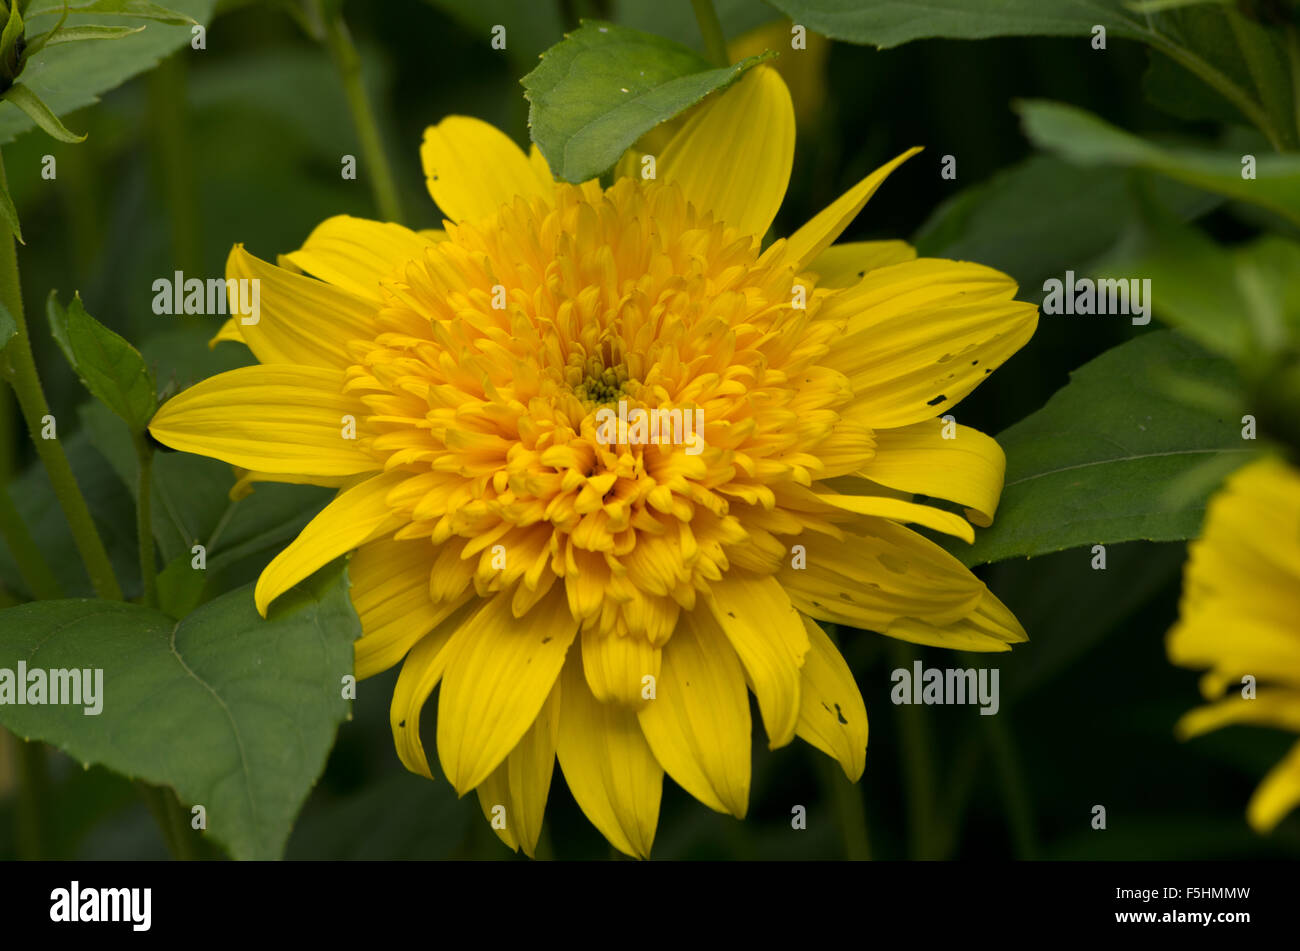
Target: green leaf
[(107, 364), (1085, 139), (605, 86), (72, 75), (676, 21), (999, 222), (234, 712), (76, 34), (8, 40), (141, 9), (886, 23), (180, 586), (1092, 465), (39, 112)]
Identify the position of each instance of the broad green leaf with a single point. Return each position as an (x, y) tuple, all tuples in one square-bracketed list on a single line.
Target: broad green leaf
[(234, 712), (77, 34), (71, 75), (180, 586), (1085, 139), (107, 364), (140, 9), (886, 23), (1093, 466), (23, 98), (999, 222), (604, 86)]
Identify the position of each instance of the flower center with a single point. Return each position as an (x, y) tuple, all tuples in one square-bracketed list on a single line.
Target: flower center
[(504, 348)]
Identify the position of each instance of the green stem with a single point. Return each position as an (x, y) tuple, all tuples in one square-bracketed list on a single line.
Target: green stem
[(1293, 61), (1015, 794), (348, 63), (850, 813), (33, 792), (715, 42), (144, 521), (172, 821), (20, 370), (918, 766), (31, 563), (175, 164)]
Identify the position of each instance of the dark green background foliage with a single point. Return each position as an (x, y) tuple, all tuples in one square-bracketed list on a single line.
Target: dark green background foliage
[(242, 142)]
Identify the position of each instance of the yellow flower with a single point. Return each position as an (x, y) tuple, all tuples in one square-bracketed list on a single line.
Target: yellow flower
[(1240, 617), (610, 604)]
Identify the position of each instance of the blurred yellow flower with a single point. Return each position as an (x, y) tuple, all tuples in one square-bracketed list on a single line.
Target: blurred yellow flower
[(611, 602), (1240, 617)]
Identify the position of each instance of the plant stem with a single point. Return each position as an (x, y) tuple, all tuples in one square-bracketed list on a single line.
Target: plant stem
[(33, 791), (715, 43), (20, 370), (348, 63), (31, 563), (171, 818), (918, 766), (850, 814), (1012, 780), (144, 521), (1293, 61), (175, 164)]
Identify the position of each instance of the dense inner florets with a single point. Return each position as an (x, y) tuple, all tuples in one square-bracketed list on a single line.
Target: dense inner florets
[(500, 348)]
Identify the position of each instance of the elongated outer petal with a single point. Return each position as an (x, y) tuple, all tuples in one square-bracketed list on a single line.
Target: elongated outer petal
[(832, 716), (989, 627), (421, 671), (500, 671), (355, 254), (298, 319), (733, 156), (921, 335), (967, 468), (523, 782), (884, 572), (608, 765), (616, 667), (828, 224), (843, 265), (1277, 795), (698, 725), (356, 516), (228, 331), (902, 511), (472, 168), (390, 592), (283, 419), (765, 629)]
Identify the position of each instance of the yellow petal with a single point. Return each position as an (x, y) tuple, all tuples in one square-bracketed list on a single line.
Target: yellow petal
[(967, 468), (832, 716), (989, 627), (494, 799), (843, 265), (421, 671), (500, 672), (229, 331), (766, 632), (1277, 795), (356, 516), (617, 665), (298, 319), (390, 592), (1270, 707), (873, 578), (472, 168), (281, 418), (902, 511), (530, 766), (613, 775), (698, 725), (355, 254), (733, 156), (921, 335), (829, 223)]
